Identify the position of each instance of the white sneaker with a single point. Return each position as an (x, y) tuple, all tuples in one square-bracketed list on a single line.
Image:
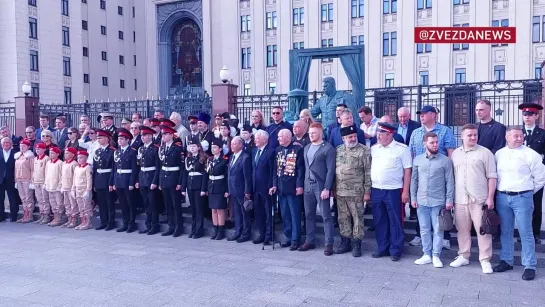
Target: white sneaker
[(437, 262), (423, 260), (446, 244), (487, 267), (459, 261), (416, 242)]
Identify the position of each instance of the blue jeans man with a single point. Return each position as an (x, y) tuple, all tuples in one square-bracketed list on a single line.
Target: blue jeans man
[(291, 220), (432, 236)]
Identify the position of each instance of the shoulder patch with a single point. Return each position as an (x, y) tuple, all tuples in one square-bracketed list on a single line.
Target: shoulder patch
[(401, 144), (178, 144)]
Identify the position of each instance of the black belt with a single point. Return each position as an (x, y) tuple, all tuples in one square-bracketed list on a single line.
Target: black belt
[(515, 193)]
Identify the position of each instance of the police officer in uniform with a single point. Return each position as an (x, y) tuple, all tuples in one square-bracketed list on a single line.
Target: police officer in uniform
[(534, 137), (217, 169), (148, 177), (125, 174), (108, 122), (170, 180), (103, 163)]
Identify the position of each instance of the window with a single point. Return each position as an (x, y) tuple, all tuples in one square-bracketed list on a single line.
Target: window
[(327, 12), (357, 40), (65, 36), (64, 7), (272, 87), (423, 48), (299, 16), (389, 43), (389, 80), (461, 46), (121, 60), (326, 43), (271, 20), (85, 78), (537, 70), (122, 83), (393, 41), (83, 1), (245, 23), (499, 72), (357, 8), (32, 2), (424, 78), (133, 12), (103, 30), (120, 34), (134, 59), (103, 4), (299, 45), (134, 36), (247, 90), (246, 58), (84, 25), (104, 56), (66, 69), (67, 95), (34, 60), (85, 51), (423, 4), (535, 29), (33, 28), (35, 90), (389, 6), (458, 2), (500, 23), (272, 55), (120, 10), (135, 84), (105, 81), (460, 75)]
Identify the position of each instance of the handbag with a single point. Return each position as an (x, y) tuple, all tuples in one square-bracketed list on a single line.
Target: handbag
[(490, 222), (446, 221)]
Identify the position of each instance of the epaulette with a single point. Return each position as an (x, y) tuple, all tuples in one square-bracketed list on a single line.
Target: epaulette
[(339, 146), (178, 143), (132, 148), (156, 145)]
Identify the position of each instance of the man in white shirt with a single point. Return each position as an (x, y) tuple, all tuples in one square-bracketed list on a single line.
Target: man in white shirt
[(521, 173), (368, 124)]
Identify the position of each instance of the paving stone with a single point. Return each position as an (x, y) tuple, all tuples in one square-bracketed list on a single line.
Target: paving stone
[(286, 270)]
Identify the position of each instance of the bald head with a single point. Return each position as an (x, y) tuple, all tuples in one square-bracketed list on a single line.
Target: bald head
[(284, 137), (403, 115), (300, 127), (386, 119)]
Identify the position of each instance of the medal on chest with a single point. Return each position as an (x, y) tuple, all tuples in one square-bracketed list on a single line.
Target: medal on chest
[(140, 153), (117, 156), (289, 168), (210, 166), (162, 153), (189, 164)]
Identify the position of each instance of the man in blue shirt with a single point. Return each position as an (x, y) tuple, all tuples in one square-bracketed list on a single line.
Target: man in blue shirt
[(347, 120)]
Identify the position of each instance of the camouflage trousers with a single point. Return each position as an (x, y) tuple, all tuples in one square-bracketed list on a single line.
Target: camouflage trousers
[(350, 214)]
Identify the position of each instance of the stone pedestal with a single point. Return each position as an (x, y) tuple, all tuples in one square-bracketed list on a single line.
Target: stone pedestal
[(24, 113), (223, 98)]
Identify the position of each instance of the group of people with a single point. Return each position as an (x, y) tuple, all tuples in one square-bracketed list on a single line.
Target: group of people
[(243, 173)]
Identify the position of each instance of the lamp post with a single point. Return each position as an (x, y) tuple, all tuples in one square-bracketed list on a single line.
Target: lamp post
[(26, 88), (224, 74)]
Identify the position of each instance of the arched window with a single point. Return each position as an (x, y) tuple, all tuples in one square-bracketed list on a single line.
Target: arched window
[(186, 53)]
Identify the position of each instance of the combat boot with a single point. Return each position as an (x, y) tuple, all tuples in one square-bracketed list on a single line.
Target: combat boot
[(23, 217), (221, 233), (68, 221), (56, 221), (356, 248), (28, 217), (46, 220), (344, 247), (215, 234), (38, 221), (85, 223), (73, 223)]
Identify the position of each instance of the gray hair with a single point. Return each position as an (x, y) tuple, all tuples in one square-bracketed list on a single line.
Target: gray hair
[(239, 139), (347, 111), (7, 139), (404, 110), (261, 133), (285, 131), (176, 116)]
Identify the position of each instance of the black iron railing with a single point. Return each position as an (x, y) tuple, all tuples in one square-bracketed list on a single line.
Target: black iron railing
[(7, 115)]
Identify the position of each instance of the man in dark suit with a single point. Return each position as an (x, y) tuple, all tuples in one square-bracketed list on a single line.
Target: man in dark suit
[(136, 140), (263, 167), (240, 189), (278, 124), (347, 120), (148, 179), (61, 132), (44, 125), (7, 180), (338, 111), (534, 137), (406, 125), (319, 175)]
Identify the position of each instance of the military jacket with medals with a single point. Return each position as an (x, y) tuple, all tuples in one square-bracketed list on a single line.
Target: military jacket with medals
[(195, 176), (217, 168), (103, 164), (148, 161), (125, 170), (171, 161), (289, 172)]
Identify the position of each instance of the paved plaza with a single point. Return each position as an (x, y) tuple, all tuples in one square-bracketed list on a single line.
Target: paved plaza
[(44, 266)]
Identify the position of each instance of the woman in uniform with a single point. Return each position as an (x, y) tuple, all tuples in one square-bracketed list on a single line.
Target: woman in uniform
[(217, 188), (195, 180)]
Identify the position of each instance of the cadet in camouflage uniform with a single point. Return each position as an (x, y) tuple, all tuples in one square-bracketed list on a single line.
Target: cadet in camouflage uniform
[(353, 189)]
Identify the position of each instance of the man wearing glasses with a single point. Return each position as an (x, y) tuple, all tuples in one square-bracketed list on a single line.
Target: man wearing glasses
[(277, 125), (30, 134), (136, 140)]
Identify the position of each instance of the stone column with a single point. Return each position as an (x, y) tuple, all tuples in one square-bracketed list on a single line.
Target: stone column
[(25, 114), (223, 98)]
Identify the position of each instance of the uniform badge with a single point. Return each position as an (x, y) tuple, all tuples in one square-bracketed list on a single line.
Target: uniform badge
[(117, 156), (289, 169)]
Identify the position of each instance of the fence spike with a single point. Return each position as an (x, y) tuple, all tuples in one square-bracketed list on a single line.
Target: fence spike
[(108, 99), (147, 95)]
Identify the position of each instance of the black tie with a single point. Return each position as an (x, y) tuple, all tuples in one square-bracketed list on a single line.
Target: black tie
[(529, 132), (257, 156)]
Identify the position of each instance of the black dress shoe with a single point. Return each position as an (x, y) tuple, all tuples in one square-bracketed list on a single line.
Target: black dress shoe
[(380, 255), (198, 234), (259, 240), (146, 230), (529, 274), (178, 232), (412, 216), (538, 240), (502, 267), (243, 239), (109, 227), (395, 258), (103, 226), (294, 247), (233, 238), (123, 228), (154, 230), (132, 228), (191, 234), (285, 244), (169, 232)]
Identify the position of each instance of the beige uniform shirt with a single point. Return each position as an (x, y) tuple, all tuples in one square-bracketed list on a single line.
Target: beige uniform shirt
[(38, 176), (83, 178), (53, 175), (24, 166), (67, 176)]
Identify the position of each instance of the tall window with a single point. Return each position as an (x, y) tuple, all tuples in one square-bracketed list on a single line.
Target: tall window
[(393, 43), (272, 87), (271, 20), (121, 60), (64, 7), (423, 48), (67, 95), (327, 12), (389, 80), (32, 2), (84, 25), (299, 45), (104, 56), (423, 4), (389, 43), (461, 46), (34, 60), (499, 72), (65, 36), (122, 83), (246, 58), (458, 2), (66, 69), (103, 30), (535, 29), (35, 90), (245, 23), (247, 90), (389, 6), (120, 35), (327, 43), (272, 55), (85, 78), (500, 23), (33, 28), (85, 51), (299, 16), (357, 8), (424, 77), (357, 40), (105, 81), (460, 75), (120, 10), (537, 70), (103, 4)]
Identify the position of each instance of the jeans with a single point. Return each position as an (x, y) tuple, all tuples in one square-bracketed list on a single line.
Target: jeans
[(291, 217), (517, 209), (432, 237)]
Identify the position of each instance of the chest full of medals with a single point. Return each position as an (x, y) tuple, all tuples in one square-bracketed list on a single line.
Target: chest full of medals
[(286, 163)]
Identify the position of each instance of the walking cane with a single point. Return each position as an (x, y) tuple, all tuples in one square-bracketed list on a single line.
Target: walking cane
[(274, 205)]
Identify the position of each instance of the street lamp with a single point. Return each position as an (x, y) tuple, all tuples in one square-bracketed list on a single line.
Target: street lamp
[(224, 74), (26, 88)]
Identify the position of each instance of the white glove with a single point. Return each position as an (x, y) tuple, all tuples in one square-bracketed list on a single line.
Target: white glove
[(16, 185), (217, 133), (87, 195), (205, 145), (31, 186)]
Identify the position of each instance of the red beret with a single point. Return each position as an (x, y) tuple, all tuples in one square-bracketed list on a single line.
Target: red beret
[(83, 152), (72, 150), (26, 142), (56, 150), (40, 145)]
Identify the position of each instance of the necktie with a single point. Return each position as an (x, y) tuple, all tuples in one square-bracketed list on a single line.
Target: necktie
[(529, 132), (257, 156), (167, 148)]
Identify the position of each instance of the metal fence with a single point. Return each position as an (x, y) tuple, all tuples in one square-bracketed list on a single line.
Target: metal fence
[(7, 115)]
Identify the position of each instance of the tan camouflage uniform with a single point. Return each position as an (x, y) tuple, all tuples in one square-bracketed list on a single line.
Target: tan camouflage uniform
[(352, 181)]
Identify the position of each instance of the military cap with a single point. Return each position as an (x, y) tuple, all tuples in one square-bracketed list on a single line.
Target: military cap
[(194, 141), (126, 121), (203, 117), (71, 150), (226, 115), (146, 130), (217, 142), (247, 128), (347, 130), (426, 109), (218, 116), (102, 132), (55, 149), (385, 127), (224, 124), (167, 129), (154, 122), (122, 132), (106, 115), (83, 152), (530, 108), (193, 119), (167, 122)]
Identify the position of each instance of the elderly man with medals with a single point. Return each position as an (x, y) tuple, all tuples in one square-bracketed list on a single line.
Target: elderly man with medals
[(217, 169)]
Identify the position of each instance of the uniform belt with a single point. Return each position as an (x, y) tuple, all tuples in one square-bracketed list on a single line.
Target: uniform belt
[(104, 170), (195, 174), (216, 177), (147, 169), (514, 193), (124, 171), (170, 169)]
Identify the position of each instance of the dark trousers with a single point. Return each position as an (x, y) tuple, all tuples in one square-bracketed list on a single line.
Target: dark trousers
[(291, 218), (536, 215), (13, 205), (243, 221), (263, 214), (151, 206), (387, 218), (173, 204), (106, 206), (197, 209), (128, 205)]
